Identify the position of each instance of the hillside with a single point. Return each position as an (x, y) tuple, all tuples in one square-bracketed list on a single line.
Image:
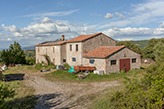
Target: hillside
[(29, 48), (141, 43)]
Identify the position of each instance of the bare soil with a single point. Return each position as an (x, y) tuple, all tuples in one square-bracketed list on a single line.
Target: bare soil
[(65, 95)]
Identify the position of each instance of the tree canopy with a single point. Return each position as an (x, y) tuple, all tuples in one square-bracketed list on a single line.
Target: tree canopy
[(13, 55), (150, 51), (130, 45)]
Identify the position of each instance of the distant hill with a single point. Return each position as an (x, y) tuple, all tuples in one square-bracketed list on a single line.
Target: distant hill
[(29, 48), (141, 43)]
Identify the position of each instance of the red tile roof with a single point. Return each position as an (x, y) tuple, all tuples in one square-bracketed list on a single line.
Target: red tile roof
[(83, 37), (103, 51), (49, 43)]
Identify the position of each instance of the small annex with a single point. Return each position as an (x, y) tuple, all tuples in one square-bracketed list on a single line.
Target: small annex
[(112, 59), (98, 50)]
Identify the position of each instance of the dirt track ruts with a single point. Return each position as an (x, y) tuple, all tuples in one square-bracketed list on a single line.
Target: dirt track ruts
[(64, 95)]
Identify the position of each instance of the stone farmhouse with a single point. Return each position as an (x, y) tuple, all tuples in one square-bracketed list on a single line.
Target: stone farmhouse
[(97, 50)]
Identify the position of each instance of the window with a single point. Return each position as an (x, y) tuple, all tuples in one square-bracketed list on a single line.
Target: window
[(133, 60), (53, 49), (76, 47), (64, 60), (113, 62), (70, 47), (92, 61), (74, 59)]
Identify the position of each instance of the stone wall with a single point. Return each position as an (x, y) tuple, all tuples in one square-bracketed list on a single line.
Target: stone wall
[(97, 41), (98, 63), (63, 53), (74, 53), (54, 55), (125, 53)]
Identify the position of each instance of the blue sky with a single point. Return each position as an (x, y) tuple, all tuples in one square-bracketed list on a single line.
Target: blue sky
[(30, 22)]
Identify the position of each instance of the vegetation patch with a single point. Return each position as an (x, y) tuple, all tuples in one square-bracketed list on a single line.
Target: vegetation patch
[(43, 66), (66, 76), (146, 92), (23, 95)]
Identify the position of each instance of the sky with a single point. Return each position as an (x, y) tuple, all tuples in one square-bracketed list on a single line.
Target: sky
[(30, 22)]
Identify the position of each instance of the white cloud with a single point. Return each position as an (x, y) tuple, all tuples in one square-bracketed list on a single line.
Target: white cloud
[(124, 39), (46, 20), (12, 28), (128, 31), (48, 28), (162, 25), (109, 15), (62, 13), (119, 15), (9, 39), (140, 14)]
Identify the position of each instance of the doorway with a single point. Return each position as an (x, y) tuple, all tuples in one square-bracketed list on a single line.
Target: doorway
[(125, 64)]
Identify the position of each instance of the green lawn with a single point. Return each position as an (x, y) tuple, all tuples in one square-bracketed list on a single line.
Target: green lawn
[(66, 76)]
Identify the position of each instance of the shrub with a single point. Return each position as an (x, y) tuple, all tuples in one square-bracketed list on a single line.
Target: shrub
[(30, 60), (67, 66), (40, 66), (5, 93), (146, 93)]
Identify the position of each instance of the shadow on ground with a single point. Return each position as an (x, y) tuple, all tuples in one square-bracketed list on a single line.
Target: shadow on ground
[(45, 101), (14, 77)]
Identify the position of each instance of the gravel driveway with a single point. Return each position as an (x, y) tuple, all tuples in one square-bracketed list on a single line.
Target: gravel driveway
[(65, 95)]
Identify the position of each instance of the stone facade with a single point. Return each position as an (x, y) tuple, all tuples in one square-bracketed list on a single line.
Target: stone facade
[(74, 54), (122, 54), (97, 41), (105, 63), (54, 53), (85, 47), (99, 63)]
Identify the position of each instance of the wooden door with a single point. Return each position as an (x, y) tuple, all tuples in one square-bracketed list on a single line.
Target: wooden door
[(125, 64)]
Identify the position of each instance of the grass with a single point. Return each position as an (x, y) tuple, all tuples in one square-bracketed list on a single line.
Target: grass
[(66, 76), (24, 97), (42, 66), (102, 102)]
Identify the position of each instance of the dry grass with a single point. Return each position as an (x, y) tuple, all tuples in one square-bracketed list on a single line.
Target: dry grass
[(24, 94)]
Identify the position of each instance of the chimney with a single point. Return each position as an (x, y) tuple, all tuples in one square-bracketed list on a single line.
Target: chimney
[(62, 37)]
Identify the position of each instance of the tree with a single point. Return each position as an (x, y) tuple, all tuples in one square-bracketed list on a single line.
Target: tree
[(130, 45), (13, 55), (149, 49), (158, 49)]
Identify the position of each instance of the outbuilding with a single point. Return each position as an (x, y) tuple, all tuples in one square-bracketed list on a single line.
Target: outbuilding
[(112, 59)]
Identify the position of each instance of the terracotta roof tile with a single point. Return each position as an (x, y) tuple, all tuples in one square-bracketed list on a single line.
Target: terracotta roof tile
[(103, 51), (83, 37), (49, 43)]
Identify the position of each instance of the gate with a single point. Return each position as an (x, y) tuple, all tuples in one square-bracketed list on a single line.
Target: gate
[(125, 64)]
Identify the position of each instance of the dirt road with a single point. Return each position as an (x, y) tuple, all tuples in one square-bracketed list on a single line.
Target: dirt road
[(64, 95)]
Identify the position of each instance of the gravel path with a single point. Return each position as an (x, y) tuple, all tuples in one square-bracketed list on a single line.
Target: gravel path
[(65, 95)]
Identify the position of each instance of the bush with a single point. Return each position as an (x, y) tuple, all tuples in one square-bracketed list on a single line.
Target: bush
[(30, 60), (41, 66), (146, 93), (5, 93), (67, 66)]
